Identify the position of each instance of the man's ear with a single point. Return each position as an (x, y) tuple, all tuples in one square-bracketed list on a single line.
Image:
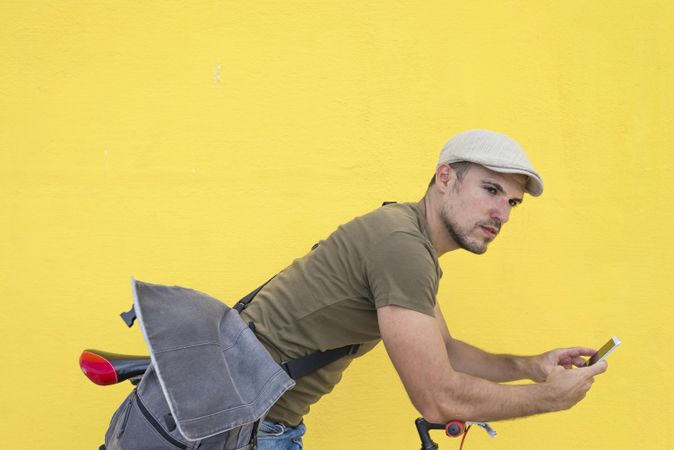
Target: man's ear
[(445, 177)]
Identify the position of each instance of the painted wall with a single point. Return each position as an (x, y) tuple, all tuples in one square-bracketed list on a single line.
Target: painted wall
[(207, 144)]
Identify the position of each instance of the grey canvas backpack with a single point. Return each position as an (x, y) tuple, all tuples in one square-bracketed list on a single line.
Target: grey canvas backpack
[(210, 381)]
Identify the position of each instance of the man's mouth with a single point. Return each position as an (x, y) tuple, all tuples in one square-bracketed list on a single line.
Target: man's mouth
[(489, 231)]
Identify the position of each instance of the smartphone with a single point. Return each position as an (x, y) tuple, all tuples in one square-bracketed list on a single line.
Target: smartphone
[(603, 352)]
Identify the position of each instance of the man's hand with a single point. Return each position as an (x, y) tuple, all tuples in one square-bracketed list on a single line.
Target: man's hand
[(541, 366), (568, 387)]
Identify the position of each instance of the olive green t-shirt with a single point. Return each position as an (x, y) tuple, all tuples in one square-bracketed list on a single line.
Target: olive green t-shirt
[(329, 298)]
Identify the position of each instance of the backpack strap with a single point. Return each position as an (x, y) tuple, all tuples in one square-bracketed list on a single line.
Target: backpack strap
[(241, 304), (299, 367)]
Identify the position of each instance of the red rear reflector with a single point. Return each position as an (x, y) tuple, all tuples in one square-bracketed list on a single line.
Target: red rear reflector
[(97, 369)]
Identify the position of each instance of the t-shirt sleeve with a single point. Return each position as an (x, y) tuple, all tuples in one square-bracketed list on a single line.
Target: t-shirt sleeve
[(401, 271)]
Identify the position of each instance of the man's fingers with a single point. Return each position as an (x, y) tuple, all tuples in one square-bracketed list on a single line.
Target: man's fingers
[(579, 362), (581, 351), (596, 369)]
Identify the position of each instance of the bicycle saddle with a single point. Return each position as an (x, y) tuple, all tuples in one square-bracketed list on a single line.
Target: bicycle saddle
[(105, 368)]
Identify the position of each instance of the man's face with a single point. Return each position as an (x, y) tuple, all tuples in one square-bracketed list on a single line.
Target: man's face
[(475, 208)]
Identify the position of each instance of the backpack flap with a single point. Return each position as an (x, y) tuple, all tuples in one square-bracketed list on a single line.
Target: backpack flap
[(213, 371)]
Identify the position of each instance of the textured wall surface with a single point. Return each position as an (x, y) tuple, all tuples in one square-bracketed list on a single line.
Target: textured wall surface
[(209, 143)]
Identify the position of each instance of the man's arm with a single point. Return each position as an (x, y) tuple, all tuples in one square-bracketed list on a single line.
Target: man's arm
[(415, 345), (502, 368)]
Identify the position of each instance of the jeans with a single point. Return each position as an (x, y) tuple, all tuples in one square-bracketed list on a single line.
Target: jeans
[(276, 436)]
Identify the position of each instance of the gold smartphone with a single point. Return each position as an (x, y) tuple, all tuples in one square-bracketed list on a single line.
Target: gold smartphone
[(603, 352)]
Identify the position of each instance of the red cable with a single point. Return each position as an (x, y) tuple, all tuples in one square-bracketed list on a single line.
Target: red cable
[(464, 437)]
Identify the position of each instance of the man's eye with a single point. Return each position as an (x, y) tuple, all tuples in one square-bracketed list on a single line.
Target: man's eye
[(513, 203), (491, 190)]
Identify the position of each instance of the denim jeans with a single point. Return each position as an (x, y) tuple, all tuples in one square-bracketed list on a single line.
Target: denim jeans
[(276, 436)]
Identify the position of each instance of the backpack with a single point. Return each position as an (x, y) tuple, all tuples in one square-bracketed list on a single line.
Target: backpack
[(210, 382)]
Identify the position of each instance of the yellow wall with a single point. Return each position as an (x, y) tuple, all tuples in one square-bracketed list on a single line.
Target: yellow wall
[(209, 143)]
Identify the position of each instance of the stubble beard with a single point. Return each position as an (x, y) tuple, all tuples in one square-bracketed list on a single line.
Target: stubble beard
[(460, 236)]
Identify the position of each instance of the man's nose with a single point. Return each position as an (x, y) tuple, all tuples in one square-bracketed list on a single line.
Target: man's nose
[(502, 211)]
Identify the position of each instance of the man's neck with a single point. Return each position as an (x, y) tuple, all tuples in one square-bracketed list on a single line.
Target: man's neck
[(440, 238)]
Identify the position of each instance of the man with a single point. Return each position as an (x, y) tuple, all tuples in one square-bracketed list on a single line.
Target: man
[(376, 278)]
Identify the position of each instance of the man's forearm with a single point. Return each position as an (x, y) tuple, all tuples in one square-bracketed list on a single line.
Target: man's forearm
[(498, 368), (476, 399)]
